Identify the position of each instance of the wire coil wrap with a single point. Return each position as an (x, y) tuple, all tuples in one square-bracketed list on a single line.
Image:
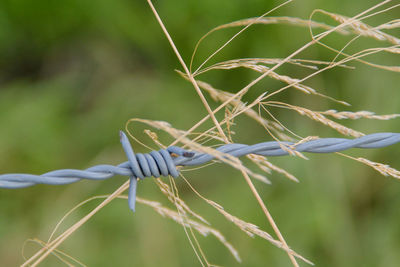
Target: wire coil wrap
[(162, 163)]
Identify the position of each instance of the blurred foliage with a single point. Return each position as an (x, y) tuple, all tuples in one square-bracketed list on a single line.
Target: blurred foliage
[(73, 72)]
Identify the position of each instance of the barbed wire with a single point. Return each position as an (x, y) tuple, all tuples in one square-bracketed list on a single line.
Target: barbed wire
[(164, 162)]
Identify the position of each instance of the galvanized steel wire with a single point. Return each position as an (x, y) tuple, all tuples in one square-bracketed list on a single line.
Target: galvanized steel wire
[(164, 162)]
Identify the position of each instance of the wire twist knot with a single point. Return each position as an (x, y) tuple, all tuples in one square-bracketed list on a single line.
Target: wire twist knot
[(155, 163)]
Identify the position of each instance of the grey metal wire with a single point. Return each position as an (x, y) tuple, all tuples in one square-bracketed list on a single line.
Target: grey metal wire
[(162, 163)]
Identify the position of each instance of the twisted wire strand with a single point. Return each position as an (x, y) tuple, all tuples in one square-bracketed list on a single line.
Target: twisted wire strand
[(163, 163)]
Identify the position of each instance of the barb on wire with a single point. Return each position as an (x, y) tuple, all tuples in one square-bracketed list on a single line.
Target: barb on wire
[(164, 162)]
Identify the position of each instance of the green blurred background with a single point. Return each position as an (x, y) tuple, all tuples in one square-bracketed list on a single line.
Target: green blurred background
[(73, 72)]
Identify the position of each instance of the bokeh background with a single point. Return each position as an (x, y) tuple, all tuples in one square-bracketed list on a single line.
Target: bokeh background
[(73, 72)]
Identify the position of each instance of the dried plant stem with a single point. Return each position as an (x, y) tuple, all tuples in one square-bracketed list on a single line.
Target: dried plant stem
[(49, 248), (192, 80), (62, 256), (269, 217)]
